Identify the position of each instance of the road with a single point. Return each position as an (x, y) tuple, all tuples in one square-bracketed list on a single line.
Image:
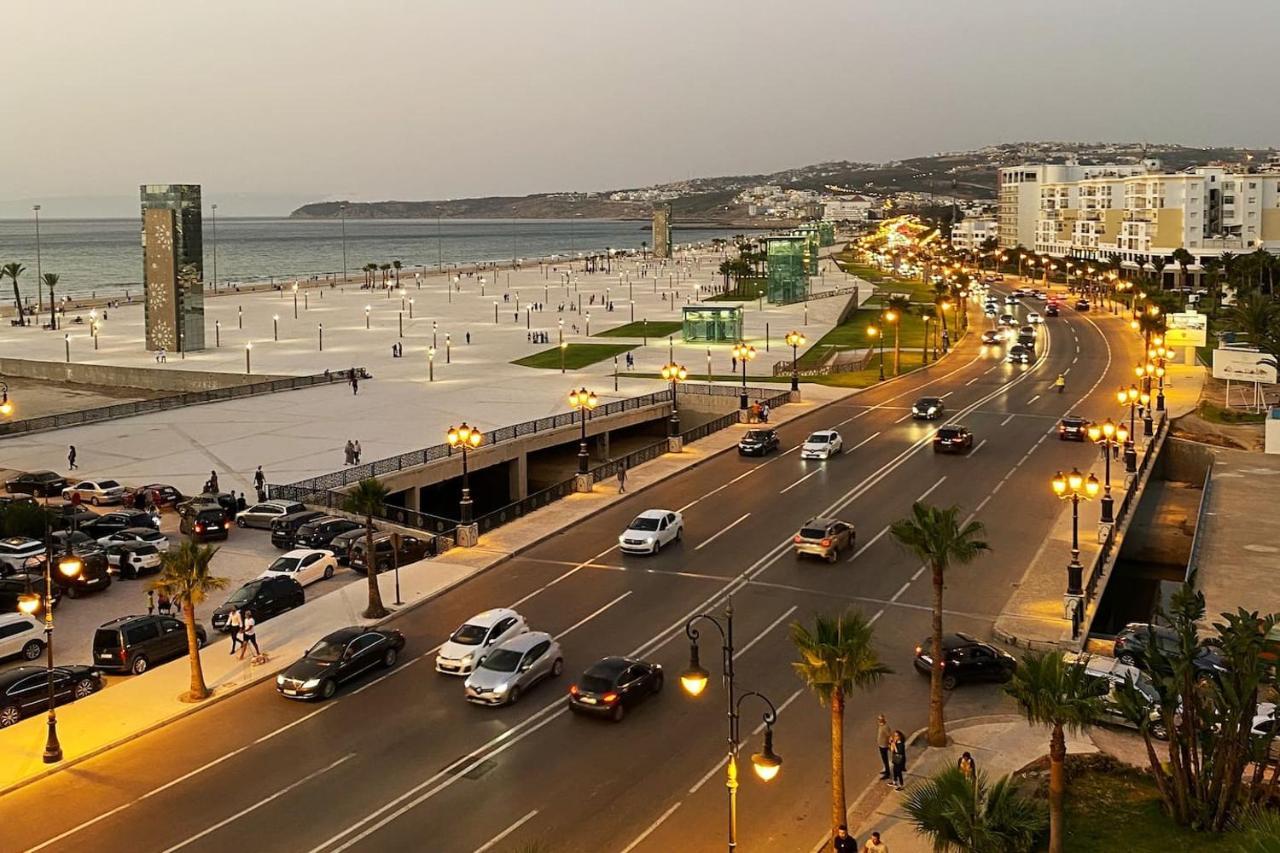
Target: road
[(401, 762)]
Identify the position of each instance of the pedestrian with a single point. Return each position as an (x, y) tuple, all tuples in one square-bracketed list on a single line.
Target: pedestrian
[(883, 733), (967, 766), (357, 450), (898, 744), (468, 337), (164, 604), (843, 842), (764, 412), (250, 636), (733, 364), (350, 453), (355, 384), (241, 503), (235, 626), (259, 480), (622, 477), (213, 482), (875, 845), (71, 457)]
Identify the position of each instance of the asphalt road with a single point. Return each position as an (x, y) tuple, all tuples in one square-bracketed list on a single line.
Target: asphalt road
[(402, 762)]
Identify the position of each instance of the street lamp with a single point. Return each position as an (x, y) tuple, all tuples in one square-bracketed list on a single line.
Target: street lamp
[(1110, 437), (320, 331), (217, 333), (766, 763), (431, 364), (674, 373), (1074, 487), (874, 332), (275, 326), (6, 405), (467, 438), (1129, 397), (584, 401), (248, 366), (743, 352), (367, 308), (295, 300), (795, 340)]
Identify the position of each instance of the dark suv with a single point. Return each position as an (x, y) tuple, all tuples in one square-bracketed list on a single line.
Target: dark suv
[(284, 530), (758, 442), (133, 643), (121, 519), (1073, 428), (1136, 638), (952, 438), (320, 532), (411, 549), (966, 659), (13, 587), (341, 544), (266, 597), (203, 521), (94, 574)]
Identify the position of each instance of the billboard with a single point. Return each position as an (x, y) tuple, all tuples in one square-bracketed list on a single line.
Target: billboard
[(1241, 365), (1190, 329)]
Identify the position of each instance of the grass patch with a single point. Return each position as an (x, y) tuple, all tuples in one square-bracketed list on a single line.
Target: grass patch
[(1219, 415), (575, 356), (638, 329), (852, 335)]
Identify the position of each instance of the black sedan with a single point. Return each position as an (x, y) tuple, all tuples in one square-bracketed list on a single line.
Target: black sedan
[(1073, 428), (121, 519), (966, 659), (952, 438), (758, 442), (612, 685), (1134, 647), (340, 656), (927, 408), (43, 484), (1082, 304), (24, 690), (265, 597)]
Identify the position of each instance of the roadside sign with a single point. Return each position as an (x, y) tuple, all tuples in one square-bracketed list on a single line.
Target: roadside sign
[(1241, 365), (1188, 329)]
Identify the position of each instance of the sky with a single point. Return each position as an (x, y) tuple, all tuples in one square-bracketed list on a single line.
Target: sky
[(273, 104)]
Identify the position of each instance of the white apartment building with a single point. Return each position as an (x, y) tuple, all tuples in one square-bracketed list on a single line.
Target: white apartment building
[(847, 208), (968, 235), (1018, 194)]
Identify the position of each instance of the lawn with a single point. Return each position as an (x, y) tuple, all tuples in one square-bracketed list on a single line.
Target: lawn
[(575, 356), (1217, 414), (638, 329), (852, 335), (864, 378)]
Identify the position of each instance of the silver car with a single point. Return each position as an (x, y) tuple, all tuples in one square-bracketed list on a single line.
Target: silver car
[(514, 667)]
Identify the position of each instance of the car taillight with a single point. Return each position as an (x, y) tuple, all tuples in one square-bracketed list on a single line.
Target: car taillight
[(609, 698), (573, 690), (919, 649), (199, 528), (799, 538), (826, 543), (123, 655)]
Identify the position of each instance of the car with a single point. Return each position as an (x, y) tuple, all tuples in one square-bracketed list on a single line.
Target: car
[(1039, 294), (952, 438), (73, 540), (1012, 299), (162, 493), (7, 500), (134, 643), (612, 685), (649, 531), (1073, 428), (1133, 647), (390, 550), (1028, 330), (822, 444), (261, 515), (514, 667), (24, 690), (758, 442), (21, 636), (1027, 341), (20, 552), (94, 574), (1034, 318), (927, 408), (1051, 310), (131, 559), (341, 544), (203, 521), (304, 565), (475, 638), (824, 537), (1019, 354), (1082, 304), (992, 338), (41, 484), (96, 492), (990, 310), (111, 522), (1114, 675), (14, 587), (266, 597), (137, 534), (70, 516), (285, 527), (321, 532), (1008, 320), (338, 657), (966, 659)]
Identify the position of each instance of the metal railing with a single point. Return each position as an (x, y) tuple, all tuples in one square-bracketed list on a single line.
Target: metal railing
[(515, 510), (1197, 535), (632, 459)]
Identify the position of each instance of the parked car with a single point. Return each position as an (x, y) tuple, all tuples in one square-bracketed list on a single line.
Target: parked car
[(612, 685), (137, 534), (266, 597), (203, 521), (262, 514), (41, 484), (133, 559), (303, 565), (1115, 674), (952, 438), (1073, 428), (18, 552), (514, 667), (320, 533), (24, 690), (758, 442), (390, 550), (824, 537), (339, 657), (927, 408), (651, 530), (121, 519), (13, 587), (73, 539), (230, 504), (162, 493), (822, 444), (1133, 647), (285, 528), (94, 574), (21, 636), (70, 516), (134, 643), (341, 544), (476, 637), (96, 492), (966, 659), (8, 500)]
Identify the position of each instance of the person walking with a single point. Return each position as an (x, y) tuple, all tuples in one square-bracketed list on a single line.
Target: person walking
[(898, 745), (213, 482), (164, 604), (883, 733), (622, 477), (235, 626), (968, 766), (260, 483), (355, 384), (350, 453), (468, 337), (875, 845), (71, 456), (249, 636), (1060, 383), (356, 449), (843, 842)]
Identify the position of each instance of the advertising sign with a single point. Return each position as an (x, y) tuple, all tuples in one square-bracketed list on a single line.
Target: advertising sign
[(1241, 365), (1190, 329)]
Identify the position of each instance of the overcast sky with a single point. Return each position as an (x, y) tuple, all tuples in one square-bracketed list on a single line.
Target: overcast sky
[(276, 102)]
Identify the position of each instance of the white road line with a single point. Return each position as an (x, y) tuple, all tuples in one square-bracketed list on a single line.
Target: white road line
[(979, 447), (657, 823), (1005, 422), (873, 540), (259, 803), (774, 624), (898, 594), (1065, 372), (873, 619), (510, 829), (919, 572), (584, 620), (722, 531), (979, 507), (801, 480), (864, 441), (693, 502), (1074, 360), (709, 774), (1033, 399), (973, 380), (552, 583), (946, 395), (789, 450), (903, 418), (929, 490)]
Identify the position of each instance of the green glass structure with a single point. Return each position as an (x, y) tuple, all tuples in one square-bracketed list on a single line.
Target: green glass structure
[(712, 323), (788, 273), (812, 242), (827, 233)]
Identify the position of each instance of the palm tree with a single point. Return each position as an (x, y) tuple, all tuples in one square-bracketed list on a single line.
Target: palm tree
[(1213, 268), (837, 657), (396, 265), (384, 268), (1183, 259), (1253, 315), (900, 305), (1061, 695), (184, 577), (14, 270), (369, 498), (962, 814), (936, 536), (1158, 263), (51, 281)]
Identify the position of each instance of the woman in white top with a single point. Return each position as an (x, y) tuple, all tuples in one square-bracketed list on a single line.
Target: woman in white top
[(249, 637)]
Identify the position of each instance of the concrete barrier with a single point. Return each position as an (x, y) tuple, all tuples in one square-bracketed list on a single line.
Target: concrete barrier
[(107, 375)]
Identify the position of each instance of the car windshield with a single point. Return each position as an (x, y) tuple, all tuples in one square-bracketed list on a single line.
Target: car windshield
[(818, 438), (470, 635), (643, 522), (503, 660), (596, 683), (755, 435), (327, 650), (284, 564), (108, 484), (244, 594)]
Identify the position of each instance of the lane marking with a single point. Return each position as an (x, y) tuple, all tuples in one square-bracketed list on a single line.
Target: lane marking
[(899, 593), (774, 624), (979, 507), (870, 542), (903, 418), (1033, 399), (979, 447), (929, 490), (973, 380), (552, 583), (584, 620), (1005, 422), (709, 774), (946, 395), (872, 621), (864, 441), (722, 531), (919, 571), (801, 480), (649, 831), (510, 829)]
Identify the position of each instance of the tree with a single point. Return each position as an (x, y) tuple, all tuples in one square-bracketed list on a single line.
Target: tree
[(396, 265), (961, 814), (1213, 269), (1253, 316), (900, 305), (937, 537), (185, 578), (51, 281), (369, 498), (1061, 695), (13, 270), (1183, 259), (1158, 263), (836, 658), (384, 269)]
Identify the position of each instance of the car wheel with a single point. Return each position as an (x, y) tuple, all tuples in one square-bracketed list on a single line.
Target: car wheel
[(679, 533), (94, 500), (1128, 659), (513, 696), (833, 555), (1159, 732), (657, 683), (73, 592), (32, 650), (557, 668), (389, 658), (949, 682), (9, 715), (83, 688), (618, 713), (657, 546), (139, 666), (328, 688), (328, 572), (201, 641), (239, 522)]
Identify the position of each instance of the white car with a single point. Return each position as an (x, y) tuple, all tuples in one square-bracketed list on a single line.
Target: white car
[(137, 534), (476, 637), (96, 492), (1011, 299), (22, 635), (17, 551), (822, 444), (304, 565), (1034, 318), (649, 531)]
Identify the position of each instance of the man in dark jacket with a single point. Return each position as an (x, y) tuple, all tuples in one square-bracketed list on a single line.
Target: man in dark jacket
[(843, 842)]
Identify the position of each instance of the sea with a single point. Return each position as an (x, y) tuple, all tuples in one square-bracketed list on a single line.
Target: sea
[(103, 257)]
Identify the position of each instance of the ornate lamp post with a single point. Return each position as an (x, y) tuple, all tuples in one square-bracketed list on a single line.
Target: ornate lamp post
[(6, 405), (674, 373), (467, 438), (795, 340), (874, 332), (1110, 437), (1129, 397), (743, 352), (583, 401), (431, 364), (248, 358), (1075, 487)]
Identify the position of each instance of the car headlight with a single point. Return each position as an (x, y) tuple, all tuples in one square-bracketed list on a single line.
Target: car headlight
[(280, 679), (501, 688), (466, 661), (933, 410), (311, 684)]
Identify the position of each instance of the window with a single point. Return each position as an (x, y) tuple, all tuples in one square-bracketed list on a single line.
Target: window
[(13, 629), (141, 633), (365, 641), (537, 651), (170, 625)]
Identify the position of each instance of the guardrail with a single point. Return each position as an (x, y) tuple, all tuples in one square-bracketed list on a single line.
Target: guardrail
[(1193, 559), (632, 459)]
